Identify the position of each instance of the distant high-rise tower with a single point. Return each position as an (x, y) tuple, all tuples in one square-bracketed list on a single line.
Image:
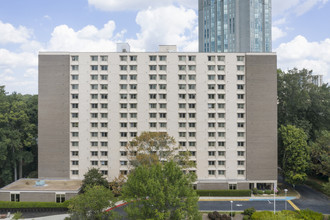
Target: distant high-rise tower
[(235, 26)]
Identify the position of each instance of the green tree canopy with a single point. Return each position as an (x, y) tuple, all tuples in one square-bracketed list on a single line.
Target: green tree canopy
[(320, 154), (92, 204), (93, 178), (160, 191), (295, 156)]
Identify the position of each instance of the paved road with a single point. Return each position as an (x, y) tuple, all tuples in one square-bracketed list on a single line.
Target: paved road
[(267, 205), (312, 199)]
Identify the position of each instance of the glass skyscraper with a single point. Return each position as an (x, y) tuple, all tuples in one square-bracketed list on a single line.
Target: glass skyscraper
[(235, 26)]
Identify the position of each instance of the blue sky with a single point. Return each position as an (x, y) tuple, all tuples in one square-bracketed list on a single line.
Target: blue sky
[(301, 33)]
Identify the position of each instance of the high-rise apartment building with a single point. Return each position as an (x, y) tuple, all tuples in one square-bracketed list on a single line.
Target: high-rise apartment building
[(220, 106), (235, 26)]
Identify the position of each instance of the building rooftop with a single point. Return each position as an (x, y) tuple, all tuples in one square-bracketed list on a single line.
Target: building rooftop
[(43, 185)]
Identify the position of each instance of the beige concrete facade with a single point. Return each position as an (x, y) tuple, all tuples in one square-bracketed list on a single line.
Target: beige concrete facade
[(102, 100)]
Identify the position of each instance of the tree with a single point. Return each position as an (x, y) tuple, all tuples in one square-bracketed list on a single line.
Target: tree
[(92, 204), (320, 154), (93, 178), (117, 184), (18, 136), (295, 156), (151, 147), (160, 191), (326, 187)]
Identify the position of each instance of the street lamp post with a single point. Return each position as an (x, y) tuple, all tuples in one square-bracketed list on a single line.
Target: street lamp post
[(285, 190), (231, 209)]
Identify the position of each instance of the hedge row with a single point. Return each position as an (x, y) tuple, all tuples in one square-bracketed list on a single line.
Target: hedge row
[(13, 205), (224, 192), (286, 214)]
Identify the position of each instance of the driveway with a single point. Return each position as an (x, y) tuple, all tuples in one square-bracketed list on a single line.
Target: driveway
[(312, 199)]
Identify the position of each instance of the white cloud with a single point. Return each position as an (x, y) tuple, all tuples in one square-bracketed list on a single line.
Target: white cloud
[(277, 33), (89, 38), (31, 73), (301, 53), (10, 59), (11, 34), (135, 5), (165, 25), (299, 7)]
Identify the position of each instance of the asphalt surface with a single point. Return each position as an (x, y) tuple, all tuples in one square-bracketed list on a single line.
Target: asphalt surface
[(267, 205), (312, 199)]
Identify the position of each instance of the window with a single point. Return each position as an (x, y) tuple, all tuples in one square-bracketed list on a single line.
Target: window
[(104, 115), (192, 58), (221, 87), (162, 86), (104, 86), (104, 96), (123, 86), (221, 144), (182, 105), (94, 67), (240, 96), (133, 115), (104, 163), (152, 96), (94, 115), (221, 153), (153, 125), (133, 96), (191, 67), (221, 134), (162, 105), (162, 115), (74, 67), (75, 163), (192, 125), (152, 67), (163, 125), (182, 67), (192, 96), (133, 77), (74, 96), (75, 172), (192, 77), (162, 96), (211, 115), (152, 105), (240, 106), (240, 115), (152, 77), (123, 67), (240, 87), (74, 86), (221, 172), (192, 86), (94, 163), (192, 134), (211, 67), (74, 77), (232, 186), (123, 134), (104, 67), (75, 105), (182, 125), (162, 58), (211, 153), (133, 58), (211, 172), (211, 77), (240, 134), (211, 58), (240, 77), (123, 153), (74, 153), (74, 143), (94, 134), (75, 124), (182, 77), (74, 58), (94, 86), (182, 58), (60, 198), (221, 68), (123, 58), (221, 106), (240, 58), (211, 106), (123, 172), (133, 67), (104, 144), (182, 86), (94, 77), (221, 77), (94, 153), (211, 144), (162, 77), (221, 115), (221, 58), (123, 163), (152, 58), (182, 134), (240, 163), (240, 172), (221, 96), (240, 153), (104, 58), (94, 58), (94, 105), (212, 163), (192, 115), (133, 86), (221, 163), (240, 68), (240, 144), (104, 153), (15, 197), (240, 125), (123, 77), (211, 96), (162, 67)]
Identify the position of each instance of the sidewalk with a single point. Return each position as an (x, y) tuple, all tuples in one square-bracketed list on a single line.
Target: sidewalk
[(266, 198)]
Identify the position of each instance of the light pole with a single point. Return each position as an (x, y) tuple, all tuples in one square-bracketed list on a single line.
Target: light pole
[(231, 209), (285, 190)]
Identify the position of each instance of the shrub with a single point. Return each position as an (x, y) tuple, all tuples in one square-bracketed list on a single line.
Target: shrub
[(216, 214), (211, 216), (249, 211), (260, 192), (255, 191), (262, 215), (309, 214), (268, 192), (17, 215), (224, 192), (15, 205), (246, 217)]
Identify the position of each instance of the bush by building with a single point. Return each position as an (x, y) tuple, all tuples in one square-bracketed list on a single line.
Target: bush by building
[(232, 193)]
